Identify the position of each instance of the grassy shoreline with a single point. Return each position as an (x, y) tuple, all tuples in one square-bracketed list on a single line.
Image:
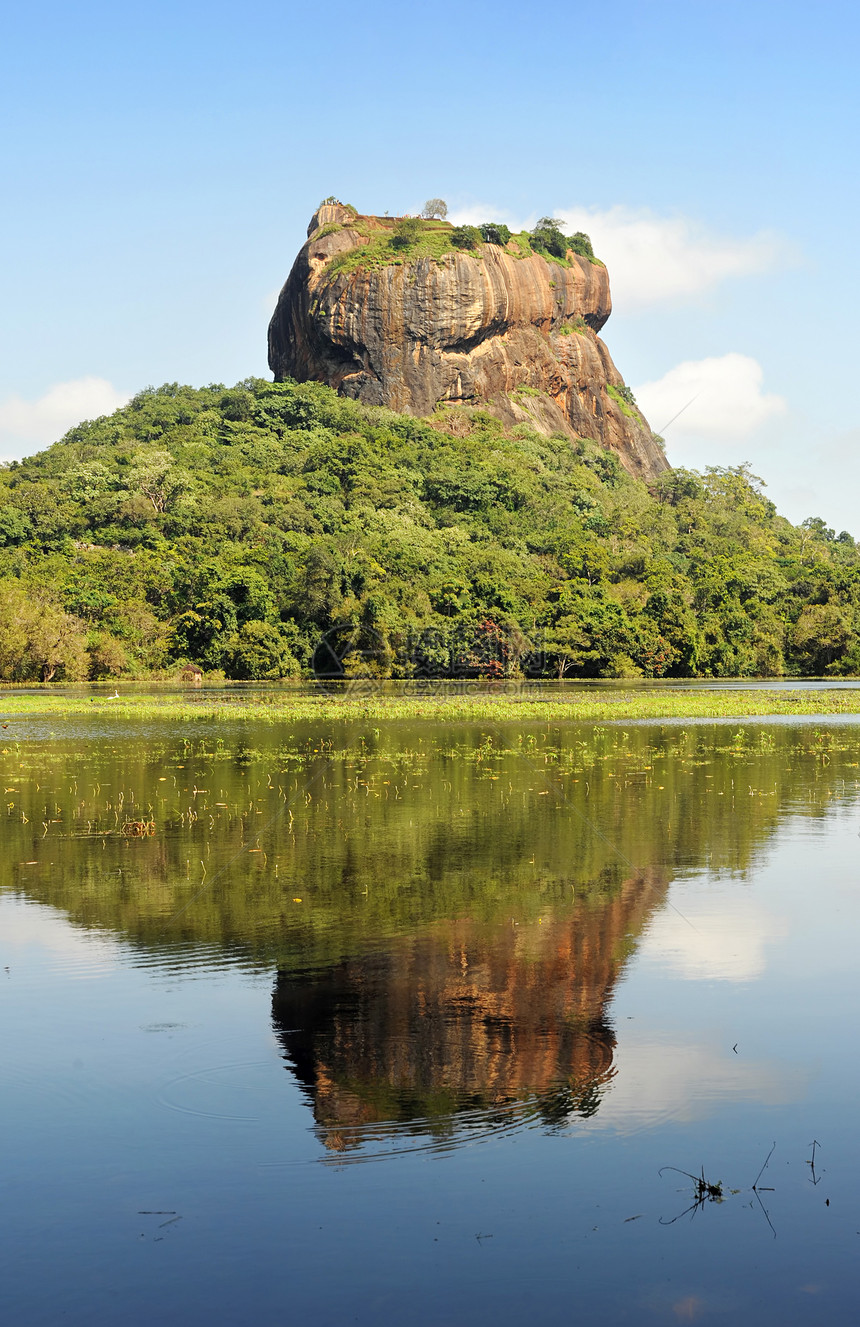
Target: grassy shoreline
[(582, 707)]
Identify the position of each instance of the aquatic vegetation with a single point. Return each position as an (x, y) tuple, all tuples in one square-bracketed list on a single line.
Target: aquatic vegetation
[(317, 837), (505, 706)]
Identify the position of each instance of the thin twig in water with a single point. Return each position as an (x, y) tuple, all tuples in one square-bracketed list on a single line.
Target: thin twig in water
[(763, 1208), (763, 1169), (694, 1178)]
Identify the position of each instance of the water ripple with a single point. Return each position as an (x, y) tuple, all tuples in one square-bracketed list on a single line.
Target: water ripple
[(210, 1080)]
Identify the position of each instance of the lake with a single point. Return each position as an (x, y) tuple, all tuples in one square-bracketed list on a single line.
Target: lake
[(430, 1024)]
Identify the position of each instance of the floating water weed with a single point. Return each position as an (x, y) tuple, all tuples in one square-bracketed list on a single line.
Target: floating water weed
[(138, 829), (707, 1191), (704, 1191)]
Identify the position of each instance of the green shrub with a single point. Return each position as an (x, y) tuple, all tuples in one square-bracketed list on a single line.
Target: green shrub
[(623, 397), (577, 325), (466, 237), (406, 232), (581, 244), (547, 239)]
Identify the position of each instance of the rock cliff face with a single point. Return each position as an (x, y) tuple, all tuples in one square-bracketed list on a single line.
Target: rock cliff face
[(496, 327)]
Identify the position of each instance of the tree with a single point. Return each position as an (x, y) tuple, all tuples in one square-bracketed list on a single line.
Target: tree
[(15, 525), (434, 207), (406, 232), (259, 650), (818, 527), (565, 645), (107, 656), (466, 237), (38, 640), (154, 475), (821, 635), (495, 232), (547, 237), (581, 244)]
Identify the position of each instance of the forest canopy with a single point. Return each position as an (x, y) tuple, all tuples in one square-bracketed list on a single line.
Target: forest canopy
[(234, 527)]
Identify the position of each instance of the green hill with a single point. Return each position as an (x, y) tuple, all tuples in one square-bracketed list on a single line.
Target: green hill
[(234, 527)]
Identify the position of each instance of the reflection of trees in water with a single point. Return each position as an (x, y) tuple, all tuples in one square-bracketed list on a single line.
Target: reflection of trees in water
[(358, 863), (393, 831), (465, 1023)]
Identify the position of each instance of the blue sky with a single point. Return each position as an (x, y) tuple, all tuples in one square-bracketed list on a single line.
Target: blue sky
[(161, 162)]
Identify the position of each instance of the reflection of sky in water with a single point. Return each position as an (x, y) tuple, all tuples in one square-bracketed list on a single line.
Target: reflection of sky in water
[(157, 1150), (657, 1083), (673, 1060), (708, 935), (30, 934)]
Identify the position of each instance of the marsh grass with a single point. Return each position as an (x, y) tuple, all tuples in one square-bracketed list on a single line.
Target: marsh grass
[(584, 706)]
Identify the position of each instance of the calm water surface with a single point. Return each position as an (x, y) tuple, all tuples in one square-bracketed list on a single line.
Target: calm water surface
[(367, 1025)]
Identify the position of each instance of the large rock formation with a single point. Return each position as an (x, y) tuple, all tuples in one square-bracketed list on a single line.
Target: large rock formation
[(499, 327)]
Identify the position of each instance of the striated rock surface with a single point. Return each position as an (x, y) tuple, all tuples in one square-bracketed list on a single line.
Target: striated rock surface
[(514, 333)]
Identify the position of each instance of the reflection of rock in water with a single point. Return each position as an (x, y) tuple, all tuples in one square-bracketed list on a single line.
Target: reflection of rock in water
[(464, 1024)]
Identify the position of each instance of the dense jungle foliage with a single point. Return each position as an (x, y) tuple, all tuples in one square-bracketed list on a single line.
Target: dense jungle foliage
[(234, 528)]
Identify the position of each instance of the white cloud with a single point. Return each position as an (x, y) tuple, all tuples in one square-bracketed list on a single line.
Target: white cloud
[(27, 426), (718, 397), (653, 259)]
